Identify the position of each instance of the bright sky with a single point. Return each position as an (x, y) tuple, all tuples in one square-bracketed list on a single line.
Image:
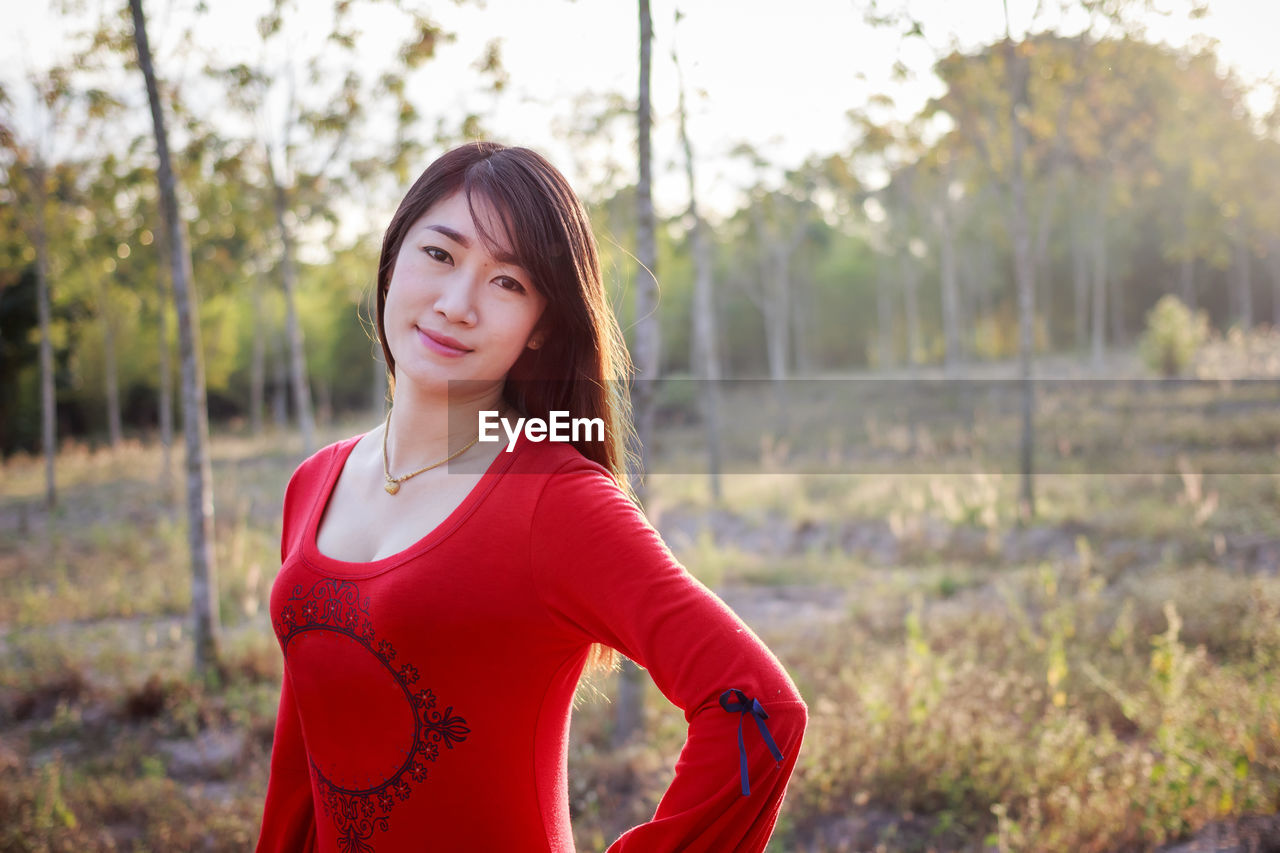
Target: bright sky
[(781, 81)]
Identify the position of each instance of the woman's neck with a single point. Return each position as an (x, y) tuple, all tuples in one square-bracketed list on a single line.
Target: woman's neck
[(426, 428)]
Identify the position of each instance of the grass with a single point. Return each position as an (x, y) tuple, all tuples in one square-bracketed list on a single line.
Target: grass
[(1104, 681)]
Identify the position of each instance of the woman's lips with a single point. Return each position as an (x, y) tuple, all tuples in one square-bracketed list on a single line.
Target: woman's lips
[(442, 344)]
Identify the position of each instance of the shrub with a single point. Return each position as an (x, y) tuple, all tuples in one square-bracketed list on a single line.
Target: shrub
[(1173, 335)]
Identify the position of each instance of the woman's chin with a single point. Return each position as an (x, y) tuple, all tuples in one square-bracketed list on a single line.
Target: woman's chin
[(445, 383)]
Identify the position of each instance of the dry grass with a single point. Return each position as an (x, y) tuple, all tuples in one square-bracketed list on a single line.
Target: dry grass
[(1111, 694)]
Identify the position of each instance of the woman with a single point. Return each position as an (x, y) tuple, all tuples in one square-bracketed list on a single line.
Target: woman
[(435, 619)]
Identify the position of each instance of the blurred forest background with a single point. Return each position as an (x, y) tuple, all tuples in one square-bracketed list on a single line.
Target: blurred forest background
[(1091, 669)]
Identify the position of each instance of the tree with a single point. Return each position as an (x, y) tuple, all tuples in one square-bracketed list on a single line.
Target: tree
[(705, 360), (307, 140), (646, 343), (199, 480), (33, 186)]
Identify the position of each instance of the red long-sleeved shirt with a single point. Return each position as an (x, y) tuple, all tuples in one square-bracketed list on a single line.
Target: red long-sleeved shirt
[(427, 696)]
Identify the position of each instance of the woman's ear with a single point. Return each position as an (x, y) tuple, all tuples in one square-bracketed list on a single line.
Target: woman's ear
[(539, 335)]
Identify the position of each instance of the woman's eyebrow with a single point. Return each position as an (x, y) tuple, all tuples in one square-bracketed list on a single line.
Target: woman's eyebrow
[(461, 239), (465, 242)]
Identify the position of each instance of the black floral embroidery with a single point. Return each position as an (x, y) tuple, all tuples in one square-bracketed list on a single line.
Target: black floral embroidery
[(335, 605)]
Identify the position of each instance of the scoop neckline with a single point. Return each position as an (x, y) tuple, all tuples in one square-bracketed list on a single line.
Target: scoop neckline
[(332, 566)]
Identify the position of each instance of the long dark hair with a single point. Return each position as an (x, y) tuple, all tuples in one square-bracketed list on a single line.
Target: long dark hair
[(582, 365)]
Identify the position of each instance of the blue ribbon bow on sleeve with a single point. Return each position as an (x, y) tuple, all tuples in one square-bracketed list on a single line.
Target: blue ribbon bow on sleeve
[(735, 701)]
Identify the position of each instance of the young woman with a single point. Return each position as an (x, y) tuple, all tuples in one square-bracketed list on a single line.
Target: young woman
[(435, 619)]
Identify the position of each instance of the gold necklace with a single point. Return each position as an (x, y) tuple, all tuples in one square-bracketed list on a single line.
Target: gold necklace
[(393, 483)]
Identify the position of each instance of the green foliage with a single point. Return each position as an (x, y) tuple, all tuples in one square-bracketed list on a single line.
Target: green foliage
[(1173, 335)]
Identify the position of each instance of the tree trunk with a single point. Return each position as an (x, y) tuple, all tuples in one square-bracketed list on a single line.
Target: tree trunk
[(1273, 256), (631, 683), (950, 290), (1080, 282), (804, 363), (1040, 261), (1187, 282), (965, 308), (257, 366), (989, 281), (777, 318), (910, 298), (195, 423), (1187, 269), (1025, 274), (293, 328), (112, 384), (280, 383), (166, 370), (1099, 284), (884, 315), (1115, 301), (48, 399), (1244, 283), (705, 364)]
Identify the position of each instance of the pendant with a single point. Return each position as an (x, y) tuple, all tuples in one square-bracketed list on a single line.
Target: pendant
[(392, 487)]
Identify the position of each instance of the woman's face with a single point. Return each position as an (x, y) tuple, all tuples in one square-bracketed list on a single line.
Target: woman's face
[(453, 310)]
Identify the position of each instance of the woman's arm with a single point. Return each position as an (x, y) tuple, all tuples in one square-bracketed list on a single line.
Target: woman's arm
[(606, 576), (288, 817)]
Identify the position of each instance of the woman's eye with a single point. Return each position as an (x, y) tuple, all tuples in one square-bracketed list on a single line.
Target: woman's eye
[(438, 254), (510, 284)]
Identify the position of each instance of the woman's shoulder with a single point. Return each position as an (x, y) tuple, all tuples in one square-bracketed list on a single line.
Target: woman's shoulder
[(554, 458), (319, 462)]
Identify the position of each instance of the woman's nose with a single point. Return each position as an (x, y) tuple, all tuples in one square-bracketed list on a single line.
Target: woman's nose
[(456, 299)]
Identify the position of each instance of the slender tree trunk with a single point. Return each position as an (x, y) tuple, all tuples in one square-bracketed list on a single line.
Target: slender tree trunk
[(1040, 251), (1080, 282), (1024, 270), (646, 324), (950, 288), (293, 327), (163, 359), (1187, 269), (1099, 284), (965, 309), (777, 318), (44, 309), (987, 282), (884, 314), (1273, 257), (166, 395), (1115, 301), (799, 305), (802, 325), (777, 323), (280, 387), (706, 365), (1187, 282), (631, 683), (911, 305), (195, 423), (1244, 283), (257, 366), (115, 428)]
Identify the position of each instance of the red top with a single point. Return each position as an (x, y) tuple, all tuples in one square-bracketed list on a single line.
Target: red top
[(427, 695)]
